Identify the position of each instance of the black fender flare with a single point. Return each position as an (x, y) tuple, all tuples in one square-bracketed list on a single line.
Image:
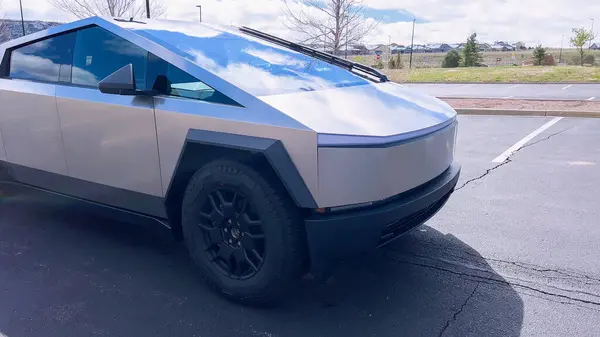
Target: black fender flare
[(218, 144)]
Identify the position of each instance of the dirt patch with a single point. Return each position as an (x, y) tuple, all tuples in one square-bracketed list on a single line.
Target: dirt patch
[(510, 104)]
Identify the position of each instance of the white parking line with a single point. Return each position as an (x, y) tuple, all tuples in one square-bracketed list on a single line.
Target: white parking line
[(591, 98), (501, 158), (567, 87)]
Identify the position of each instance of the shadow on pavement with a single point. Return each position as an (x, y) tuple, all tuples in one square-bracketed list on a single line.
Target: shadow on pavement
[(69, 274)]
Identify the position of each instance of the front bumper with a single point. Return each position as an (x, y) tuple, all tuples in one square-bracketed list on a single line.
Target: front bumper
[(344, 234)]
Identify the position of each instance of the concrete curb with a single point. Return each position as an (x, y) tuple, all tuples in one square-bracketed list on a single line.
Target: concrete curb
[(514, 112)]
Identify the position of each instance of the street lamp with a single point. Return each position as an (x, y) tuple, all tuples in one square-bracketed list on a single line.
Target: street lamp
[(347, 24), (22, 21), (592, 31), (200, 9)]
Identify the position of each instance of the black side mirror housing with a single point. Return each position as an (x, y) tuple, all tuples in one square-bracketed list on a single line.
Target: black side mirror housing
[(122, 82)]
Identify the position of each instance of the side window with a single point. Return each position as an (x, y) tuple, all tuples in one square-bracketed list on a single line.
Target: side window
[(47, 60), (99, 53), (172, 81)]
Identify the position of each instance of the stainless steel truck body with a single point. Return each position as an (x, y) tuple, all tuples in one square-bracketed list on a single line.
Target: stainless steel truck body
[(265, 156)]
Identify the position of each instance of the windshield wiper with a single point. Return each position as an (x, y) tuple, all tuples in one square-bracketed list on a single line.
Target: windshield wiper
[(338, 61)]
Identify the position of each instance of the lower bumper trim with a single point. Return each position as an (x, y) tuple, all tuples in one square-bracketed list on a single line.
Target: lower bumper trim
[(335, 236)]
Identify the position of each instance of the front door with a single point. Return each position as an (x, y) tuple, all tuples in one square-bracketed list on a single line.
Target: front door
[(108, 139)]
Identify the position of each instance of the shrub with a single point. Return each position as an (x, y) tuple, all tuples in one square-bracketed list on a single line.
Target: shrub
[(549, 60), (378, 64), (451, 60), (539, 56), (589, 59)]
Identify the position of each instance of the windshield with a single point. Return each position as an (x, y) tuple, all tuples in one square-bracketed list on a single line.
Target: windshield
[(258, 67)]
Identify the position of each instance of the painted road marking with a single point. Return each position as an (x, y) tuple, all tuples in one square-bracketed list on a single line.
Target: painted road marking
[(591, 98), (567, 87), (508, 97), (514, 86), (501, 158)]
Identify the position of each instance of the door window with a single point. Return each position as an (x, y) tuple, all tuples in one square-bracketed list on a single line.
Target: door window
[(48, 60), (99, 53)]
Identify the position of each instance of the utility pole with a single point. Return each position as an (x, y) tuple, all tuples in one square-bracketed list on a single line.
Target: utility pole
[(200, 9), (561, 45), (592, 31), (412, 44), (148, 9), (389, 47), (22, 21), (347, 24)]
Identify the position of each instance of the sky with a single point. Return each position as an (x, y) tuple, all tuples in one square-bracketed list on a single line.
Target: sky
[(449, 21)]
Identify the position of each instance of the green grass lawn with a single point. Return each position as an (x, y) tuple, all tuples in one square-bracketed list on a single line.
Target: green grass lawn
[(498, 74)]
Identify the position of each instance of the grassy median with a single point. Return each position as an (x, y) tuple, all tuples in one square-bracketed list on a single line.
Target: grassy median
[(574, 74)]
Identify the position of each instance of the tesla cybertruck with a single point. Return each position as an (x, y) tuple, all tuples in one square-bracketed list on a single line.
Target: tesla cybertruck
[(267, 158)]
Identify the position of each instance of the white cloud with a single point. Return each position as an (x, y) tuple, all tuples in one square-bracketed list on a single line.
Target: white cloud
[(447, 21)]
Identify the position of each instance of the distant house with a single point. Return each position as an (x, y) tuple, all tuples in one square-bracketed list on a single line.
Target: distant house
[(398, 49), (439, 48), (458, 46), (595, 46)]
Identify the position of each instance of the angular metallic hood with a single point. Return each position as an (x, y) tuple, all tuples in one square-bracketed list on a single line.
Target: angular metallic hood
[(378, 110)]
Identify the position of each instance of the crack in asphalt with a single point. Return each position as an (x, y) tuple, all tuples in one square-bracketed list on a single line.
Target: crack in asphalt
[(455, 315), (480, 278), (488, 171), (509, 160), (545, 139), (574, 275)]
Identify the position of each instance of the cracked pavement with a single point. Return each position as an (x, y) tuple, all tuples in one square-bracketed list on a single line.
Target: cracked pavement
[(514, 253)]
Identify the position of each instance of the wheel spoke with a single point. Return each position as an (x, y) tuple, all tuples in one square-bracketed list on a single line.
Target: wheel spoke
[(257, 255), (245, 222), (248, 240), (252, 265), (224, 252), (238, 258), (214, 236), (217, 218)]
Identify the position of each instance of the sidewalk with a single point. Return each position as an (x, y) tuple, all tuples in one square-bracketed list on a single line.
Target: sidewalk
[(525, 107)]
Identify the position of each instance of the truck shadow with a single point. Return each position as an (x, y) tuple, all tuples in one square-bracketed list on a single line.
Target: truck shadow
[(67, 273)]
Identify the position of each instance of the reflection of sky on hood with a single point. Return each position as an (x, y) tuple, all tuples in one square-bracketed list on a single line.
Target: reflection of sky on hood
[(256, 66)]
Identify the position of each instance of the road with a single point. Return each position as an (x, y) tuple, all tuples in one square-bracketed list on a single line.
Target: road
[(514, 253), (590, 92)]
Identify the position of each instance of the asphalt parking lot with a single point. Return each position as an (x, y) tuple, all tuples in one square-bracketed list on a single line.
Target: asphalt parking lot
[(543, 91), (514, 253)]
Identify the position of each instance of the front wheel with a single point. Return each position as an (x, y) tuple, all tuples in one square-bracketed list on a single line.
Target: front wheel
[(243, 232)]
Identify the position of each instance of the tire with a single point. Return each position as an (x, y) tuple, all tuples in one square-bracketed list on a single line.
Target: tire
[(281, 248)]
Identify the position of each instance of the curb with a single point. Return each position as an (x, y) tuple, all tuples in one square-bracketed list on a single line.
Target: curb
[(515, 112)]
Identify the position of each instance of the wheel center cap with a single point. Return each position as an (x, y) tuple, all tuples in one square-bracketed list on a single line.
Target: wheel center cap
[(235, 232)]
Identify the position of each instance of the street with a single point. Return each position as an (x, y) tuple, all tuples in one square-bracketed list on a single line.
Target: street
[(514, 253), (565, 91)]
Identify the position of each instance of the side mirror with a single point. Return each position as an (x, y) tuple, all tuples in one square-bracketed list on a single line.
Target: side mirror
[(122, 82)]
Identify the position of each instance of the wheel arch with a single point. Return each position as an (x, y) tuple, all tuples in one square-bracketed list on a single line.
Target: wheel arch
[(267, 155)]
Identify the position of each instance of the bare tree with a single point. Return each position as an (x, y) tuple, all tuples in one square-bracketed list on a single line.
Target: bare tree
[(3, 26), (115, 8), (334, 24)]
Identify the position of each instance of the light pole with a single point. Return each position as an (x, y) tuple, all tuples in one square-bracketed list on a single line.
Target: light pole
[(561, 45), (347, 24), (412, 44), (148, 9), (200, 10), (592, 31), (22, 21), (389, 47)]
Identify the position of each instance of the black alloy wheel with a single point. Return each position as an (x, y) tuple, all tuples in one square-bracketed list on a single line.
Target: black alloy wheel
[(233, 233)]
